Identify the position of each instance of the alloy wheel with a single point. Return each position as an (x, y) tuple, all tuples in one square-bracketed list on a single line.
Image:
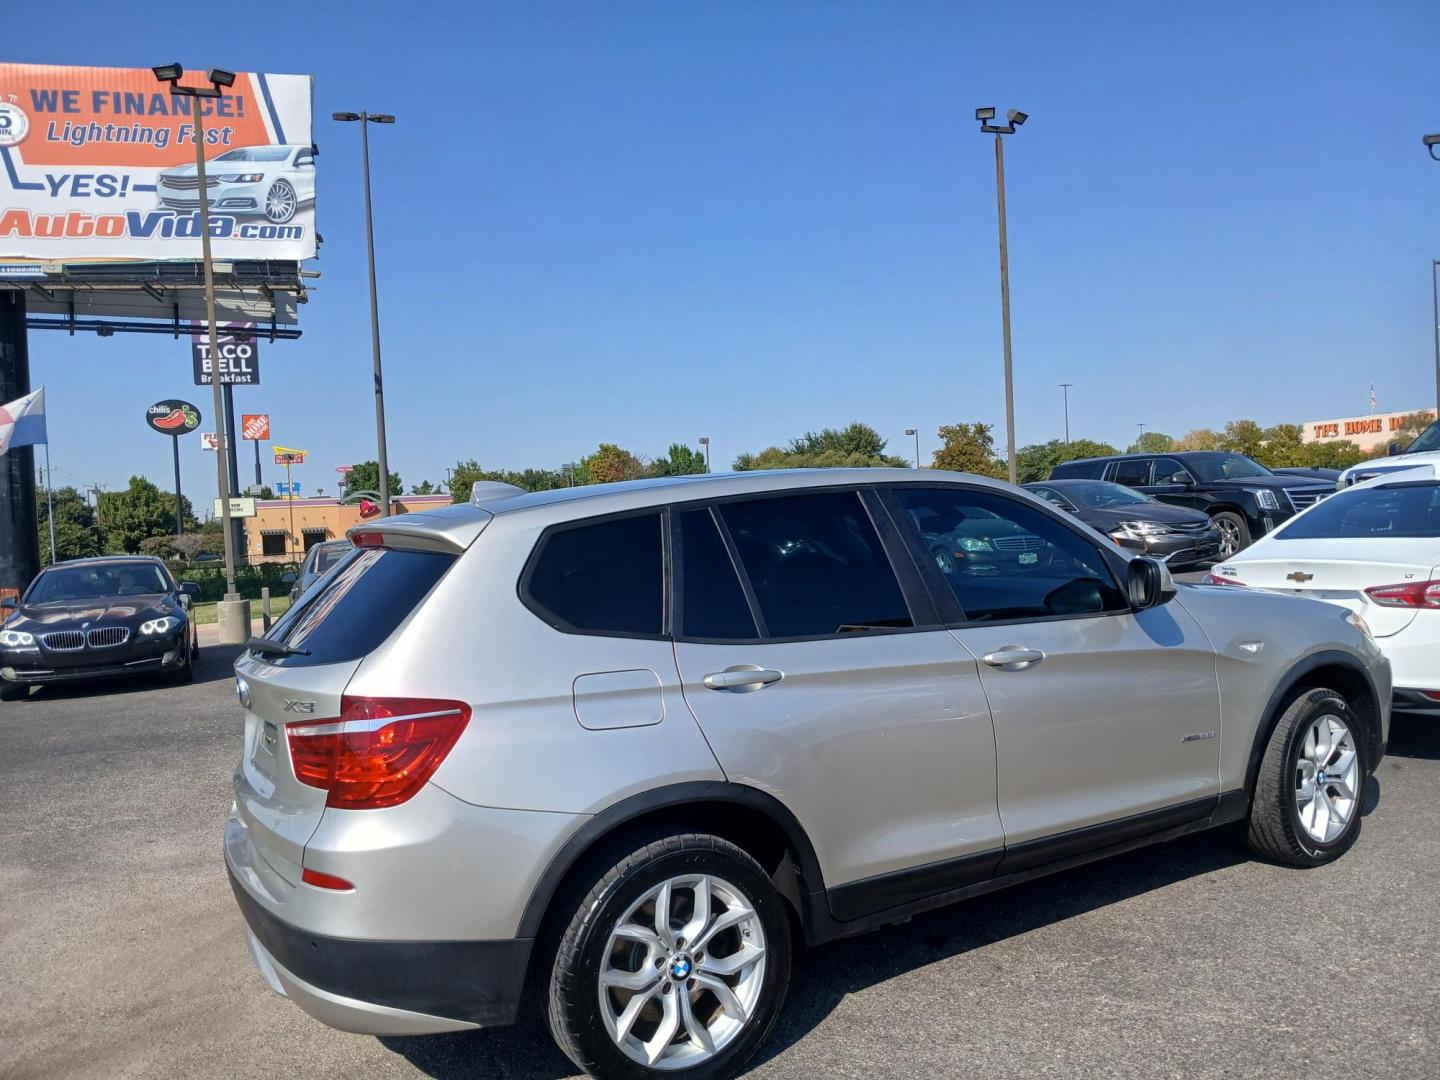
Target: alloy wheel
[(1229, 537), (1327, 778), (682, 972), (280, 202)]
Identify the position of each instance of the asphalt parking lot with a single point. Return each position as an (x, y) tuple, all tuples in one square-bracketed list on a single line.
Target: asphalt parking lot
[(123, 954)]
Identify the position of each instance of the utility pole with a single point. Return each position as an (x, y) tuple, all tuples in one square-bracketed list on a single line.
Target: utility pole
[(1065, 391)]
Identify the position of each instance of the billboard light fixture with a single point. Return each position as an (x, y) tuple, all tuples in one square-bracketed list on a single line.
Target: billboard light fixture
[(220, 77), (985, 114), (1017, 117), (168, 72), (381, 118), (1432, 141)]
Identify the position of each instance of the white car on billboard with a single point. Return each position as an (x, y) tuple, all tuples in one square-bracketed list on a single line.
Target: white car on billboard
[(1373, 548), (274, 181)]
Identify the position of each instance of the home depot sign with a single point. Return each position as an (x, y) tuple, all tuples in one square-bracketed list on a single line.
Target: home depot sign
[(1367, 432)]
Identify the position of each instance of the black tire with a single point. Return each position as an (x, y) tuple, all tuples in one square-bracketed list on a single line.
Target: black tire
[(1233, 530), (1275, 830), (574, 992), (187, 673), (13, 691)]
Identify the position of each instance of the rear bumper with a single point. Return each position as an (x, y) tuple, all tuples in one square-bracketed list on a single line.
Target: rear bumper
[(387, 987)]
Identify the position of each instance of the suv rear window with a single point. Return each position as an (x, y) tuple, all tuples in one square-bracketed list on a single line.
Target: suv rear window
[(370, 594), (603, 577)]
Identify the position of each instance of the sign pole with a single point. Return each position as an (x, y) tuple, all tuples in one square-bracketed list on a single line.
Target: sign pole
[(49, 503), (290, 494), (179, 515), (257, 462), (232, 453), (230, 593)]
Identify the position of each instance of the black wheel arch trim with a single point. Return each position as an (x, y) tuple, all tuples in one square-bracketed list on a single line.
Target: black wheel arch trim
[(801, 893), (1286, 688)]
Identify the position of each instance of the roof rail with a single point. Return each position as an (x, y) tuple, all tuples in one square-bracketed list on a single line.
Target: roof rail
[(483, 491)]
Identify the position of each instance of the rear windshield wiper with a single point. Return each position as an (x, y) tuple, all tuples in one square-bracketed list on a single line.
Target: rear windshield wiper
[(274, 648)]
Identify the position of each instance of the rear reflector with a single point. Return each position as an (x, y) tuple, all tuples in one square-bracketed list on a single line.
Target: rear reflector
[(380, 751), (325, 881), (1215, 579), (1411, 594)]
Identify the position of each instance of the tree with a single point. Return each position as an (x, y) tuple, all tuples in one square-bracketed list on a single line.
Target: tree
[(1282, 448), (1152, 442), (1199, 439), (1035, 461), (1412, 424), (857, 446), (266, 492), (76, 535), (610, 464), (466, 473), (128, 517), (969, 448), (1243, 437), (425, 487), (1340, 454), (366, 477), (679, 460)]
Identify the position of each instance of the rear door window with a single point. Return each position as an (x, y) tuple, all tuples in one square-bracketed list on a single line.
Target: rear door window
[(600, 577), (1132, 473), (816, 565), (1170, 471), (360, 606), (711, 597)]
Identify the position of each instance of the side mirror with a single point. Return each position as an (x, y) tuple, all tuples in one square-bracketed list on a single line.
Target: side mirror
[(288, 578), (1393, 449), (1149, 583)]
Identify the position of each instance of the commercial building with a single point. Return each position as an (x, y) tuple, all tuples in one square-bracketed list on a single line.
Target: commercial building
[(282, 530), (1373, 431)]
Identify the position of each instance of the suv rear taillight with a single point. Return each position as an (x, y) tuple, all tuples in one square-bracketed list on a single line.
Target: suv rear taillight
[(380, 752), (1411, 594)]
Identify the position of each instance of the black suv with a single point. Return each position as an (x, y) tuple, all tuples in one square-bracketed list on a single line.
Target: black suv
[(1242, 497)]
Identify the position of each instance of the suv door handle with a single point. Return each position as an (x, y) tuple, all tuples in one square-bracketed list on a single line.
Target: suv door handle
[(742, 678), (1013, 657)]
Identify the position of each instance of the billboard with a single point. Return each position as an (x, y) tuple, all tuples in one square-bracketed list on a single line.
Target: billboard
[(99, 163), (255, 427), (239, 355)]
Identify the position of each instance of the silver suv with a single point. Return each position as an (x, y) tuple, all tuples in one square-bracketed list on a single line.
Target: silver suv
[(628, 746)]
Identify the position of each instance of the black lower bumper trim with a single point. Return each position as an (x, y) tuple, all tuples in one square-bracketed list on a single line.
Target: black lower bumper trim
[(475, 981), (1414, 701)]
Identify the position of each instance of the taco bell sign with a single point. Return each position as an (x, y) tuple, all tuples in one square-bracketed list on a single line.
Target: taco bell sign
[(239, 352)]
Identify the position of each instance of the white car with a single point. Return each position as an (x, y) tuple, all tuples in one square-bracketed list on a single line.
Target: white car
[(1425, 450), (1373, 548), (274, 181)]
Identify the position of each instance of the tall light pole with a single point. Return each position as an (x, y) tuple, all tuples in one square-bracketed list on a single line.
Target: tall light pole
[(1065, 391), (232, 613), (1435, 326), (915, 433), (1141, 438), (366, 119), (1016, 118), (705, 442)]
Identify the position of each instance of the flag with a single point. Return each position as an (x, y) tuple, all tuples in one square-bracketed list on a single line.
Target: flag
[(22, 421), (1372, 397)]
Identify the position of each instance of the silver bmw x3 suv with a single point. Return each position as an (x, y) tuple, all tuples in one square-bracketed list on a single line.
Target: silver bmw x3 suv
[(619, 750)]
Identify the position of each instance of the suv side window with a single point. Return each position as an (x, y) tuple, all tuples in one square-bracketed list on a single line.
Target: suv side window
[(1004, 560), (711, 597), (816, 565), (600, 577), (1170, 471), (1132, 473)]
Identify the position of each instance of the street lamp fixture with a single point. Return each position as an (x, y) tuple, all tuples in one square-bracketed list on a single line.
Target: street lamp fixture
[(233, 614), (1432, 141), (366, 119), (915, 434), (1016, 118), (705, 442)]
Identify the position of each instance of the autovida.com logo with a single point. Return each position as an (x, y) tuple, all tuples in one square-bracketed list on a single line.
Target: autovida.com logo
[(139, 225)]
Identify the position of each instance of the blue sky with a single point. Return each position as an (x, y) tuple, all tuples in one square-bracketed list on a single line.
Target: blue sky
[(644, 222)]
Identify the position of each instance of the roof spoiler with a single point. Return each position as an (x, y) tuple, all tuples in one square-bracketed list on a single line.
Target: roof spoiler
[(484, 491)]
